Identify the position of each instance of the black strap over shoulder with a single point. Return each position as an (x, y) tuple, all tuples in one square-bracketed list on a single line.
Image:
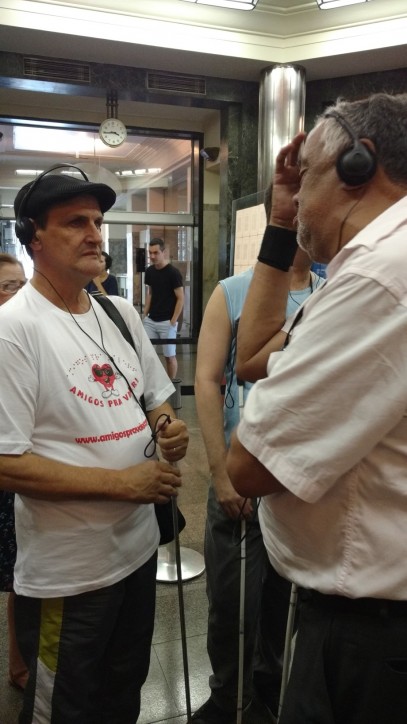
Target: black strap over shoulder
[(114, 314)]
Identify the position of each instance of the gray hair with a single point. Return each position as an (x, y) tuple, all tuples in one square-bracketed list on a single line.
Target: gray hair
[(382, 118)]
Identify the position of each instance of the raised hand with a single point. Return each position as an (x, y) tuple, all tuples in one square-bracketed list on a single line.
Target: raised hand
[(286, 183)]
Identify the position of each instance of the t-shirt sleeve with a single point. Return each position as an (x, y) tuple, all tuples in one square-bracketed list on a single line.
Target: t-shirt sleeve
[(19, 392), (177, 280), (147, 276)]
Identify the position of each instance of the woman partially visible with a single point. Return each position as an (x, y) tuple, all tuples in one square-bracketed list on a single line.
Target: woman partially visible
[(12, 278), (105, 283)]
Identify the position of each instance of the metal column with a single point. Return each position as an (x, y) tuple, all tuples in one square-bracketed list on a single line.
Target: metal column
[(281, 115)]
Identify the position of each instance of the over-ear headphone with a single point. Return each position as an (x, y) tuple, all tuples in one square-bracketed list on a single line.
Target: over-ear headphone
[(25, 229), (355, 165)]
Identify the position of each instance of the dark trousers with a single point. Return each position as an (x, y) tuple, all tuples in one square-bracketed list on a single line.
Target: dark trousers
[(266, 609), (349, 665), (88, 654)]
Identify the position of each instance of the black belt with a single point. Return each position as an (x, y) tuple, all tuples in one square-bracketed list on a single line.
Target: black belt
[(382, 607)]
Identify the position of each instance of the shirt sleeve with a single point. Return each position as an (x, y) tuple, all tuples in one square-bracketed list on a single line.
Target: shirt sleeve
[(177, 280), (317, 415), (147, 275), (19, 391)]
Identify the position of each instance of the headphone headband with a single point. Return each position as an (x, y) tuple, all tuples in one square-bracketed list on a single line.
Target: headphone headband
[(344, 123), (37, 180), (47, 190)]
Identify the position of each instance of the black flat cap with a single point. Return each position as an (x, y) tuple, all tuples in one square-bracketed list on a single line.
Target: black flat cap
[(53, 189)]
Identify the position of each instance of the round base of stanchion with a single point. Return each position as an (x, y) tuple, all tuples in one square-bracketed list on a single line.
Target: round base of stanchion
[(192, 564)]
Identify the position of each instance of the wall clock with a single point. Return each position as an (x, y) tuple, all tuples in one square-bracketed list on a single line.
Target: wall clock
[(112, 132)]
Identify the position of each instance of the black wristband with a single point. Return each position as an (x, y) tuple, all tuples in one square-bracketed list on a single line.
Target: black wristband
[(278, 247)]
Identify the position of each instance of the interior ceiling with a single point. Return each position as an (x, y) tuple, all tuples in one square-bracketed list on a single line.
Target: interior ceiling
[(178, 36)]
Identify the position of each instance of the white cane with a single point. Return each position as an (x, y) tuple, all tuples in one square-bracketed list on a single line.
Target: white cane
[(241, 621), (240, 673), (181, 606), (288, 645)]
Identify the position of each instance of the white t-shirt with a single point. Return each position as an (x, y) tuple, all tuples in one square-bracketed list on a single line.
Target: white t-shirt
[(62, 398), (330, 423)]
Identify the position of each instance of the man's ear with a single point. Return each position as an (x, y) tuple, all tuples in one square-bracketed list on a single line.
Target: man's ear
[(35, 242)]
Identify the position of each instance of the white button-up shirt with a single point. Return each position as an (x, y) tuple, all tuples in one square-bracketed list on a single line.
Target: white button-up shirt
[(329, 422)]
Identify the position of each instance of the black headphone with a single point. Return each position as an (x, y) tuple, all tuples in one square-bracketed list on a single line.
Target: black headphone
[(355, 165), (25, 229)]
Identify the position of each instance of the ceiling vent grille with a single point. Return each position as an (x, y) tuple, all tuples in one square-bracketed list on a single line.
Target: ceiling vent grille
[(56, 70), (176, 83)]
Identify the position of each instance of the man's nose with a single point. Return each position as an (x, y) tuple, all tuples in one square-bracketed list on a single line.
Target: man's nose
[(94, 232)]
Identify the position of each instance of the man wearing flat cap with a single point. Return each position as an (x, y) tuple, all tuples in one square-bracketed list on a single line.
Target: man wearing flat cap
[(75, 446)]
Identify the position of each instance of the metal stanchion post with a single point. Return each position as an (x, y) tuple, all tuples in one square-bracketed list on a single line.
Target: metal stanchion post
[(192, 563)]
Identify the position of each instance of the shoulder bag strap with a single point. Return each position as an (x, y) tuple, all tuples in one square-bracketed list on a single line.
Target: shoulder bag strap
[(114, 314)]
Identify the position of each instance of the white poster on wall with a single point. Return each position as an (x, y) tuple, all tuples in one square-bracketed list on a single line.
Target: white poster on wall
[(250, 224)]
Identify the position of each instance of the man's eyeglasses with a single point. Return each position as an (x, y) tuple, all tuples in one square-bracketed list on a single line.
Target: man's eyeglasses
[(11, 287)]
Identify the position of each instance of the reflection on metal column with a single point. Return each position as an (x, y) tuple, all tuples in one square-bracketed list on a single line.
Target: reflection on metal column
[(281, 115)]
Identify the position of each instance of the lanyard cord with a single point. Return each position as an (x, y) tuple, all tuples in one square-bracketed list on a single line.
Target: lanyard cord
[(154, 432)]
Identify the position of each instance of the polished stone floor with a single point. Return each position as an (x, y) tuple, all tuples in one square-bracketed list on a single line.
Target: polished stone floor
[(164, 693)]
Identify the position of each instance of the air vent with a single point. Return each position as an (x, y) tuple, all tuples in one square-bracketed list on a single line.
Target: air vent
[(56, 70), (176, 83)]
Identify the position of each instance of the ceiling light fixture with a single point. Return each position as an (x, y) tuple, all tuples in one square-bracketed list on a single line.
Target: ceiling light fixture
[(328, 4), (138, 172), (28, 171), (231, 4)]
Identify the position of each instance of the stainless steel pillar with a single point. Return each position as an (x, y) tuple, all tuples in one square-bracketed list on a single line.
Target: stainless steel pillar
[(281, 115)]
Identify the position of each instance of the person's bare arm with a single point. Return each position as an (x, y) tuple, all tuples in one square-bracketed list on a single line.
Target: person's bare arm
[(147, 304), (147, 482), (213, 349), (263, 316), (264, 311), (249, 477), (38, 477), (179, 304)]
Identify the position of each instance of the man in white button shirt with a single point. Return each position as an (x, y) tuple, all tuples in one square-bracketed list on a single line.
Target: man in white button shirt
[(324, 435)]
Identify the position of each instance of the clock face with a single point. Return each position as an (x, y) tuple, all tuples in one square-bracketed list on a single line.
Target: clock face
[(112, 131)]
